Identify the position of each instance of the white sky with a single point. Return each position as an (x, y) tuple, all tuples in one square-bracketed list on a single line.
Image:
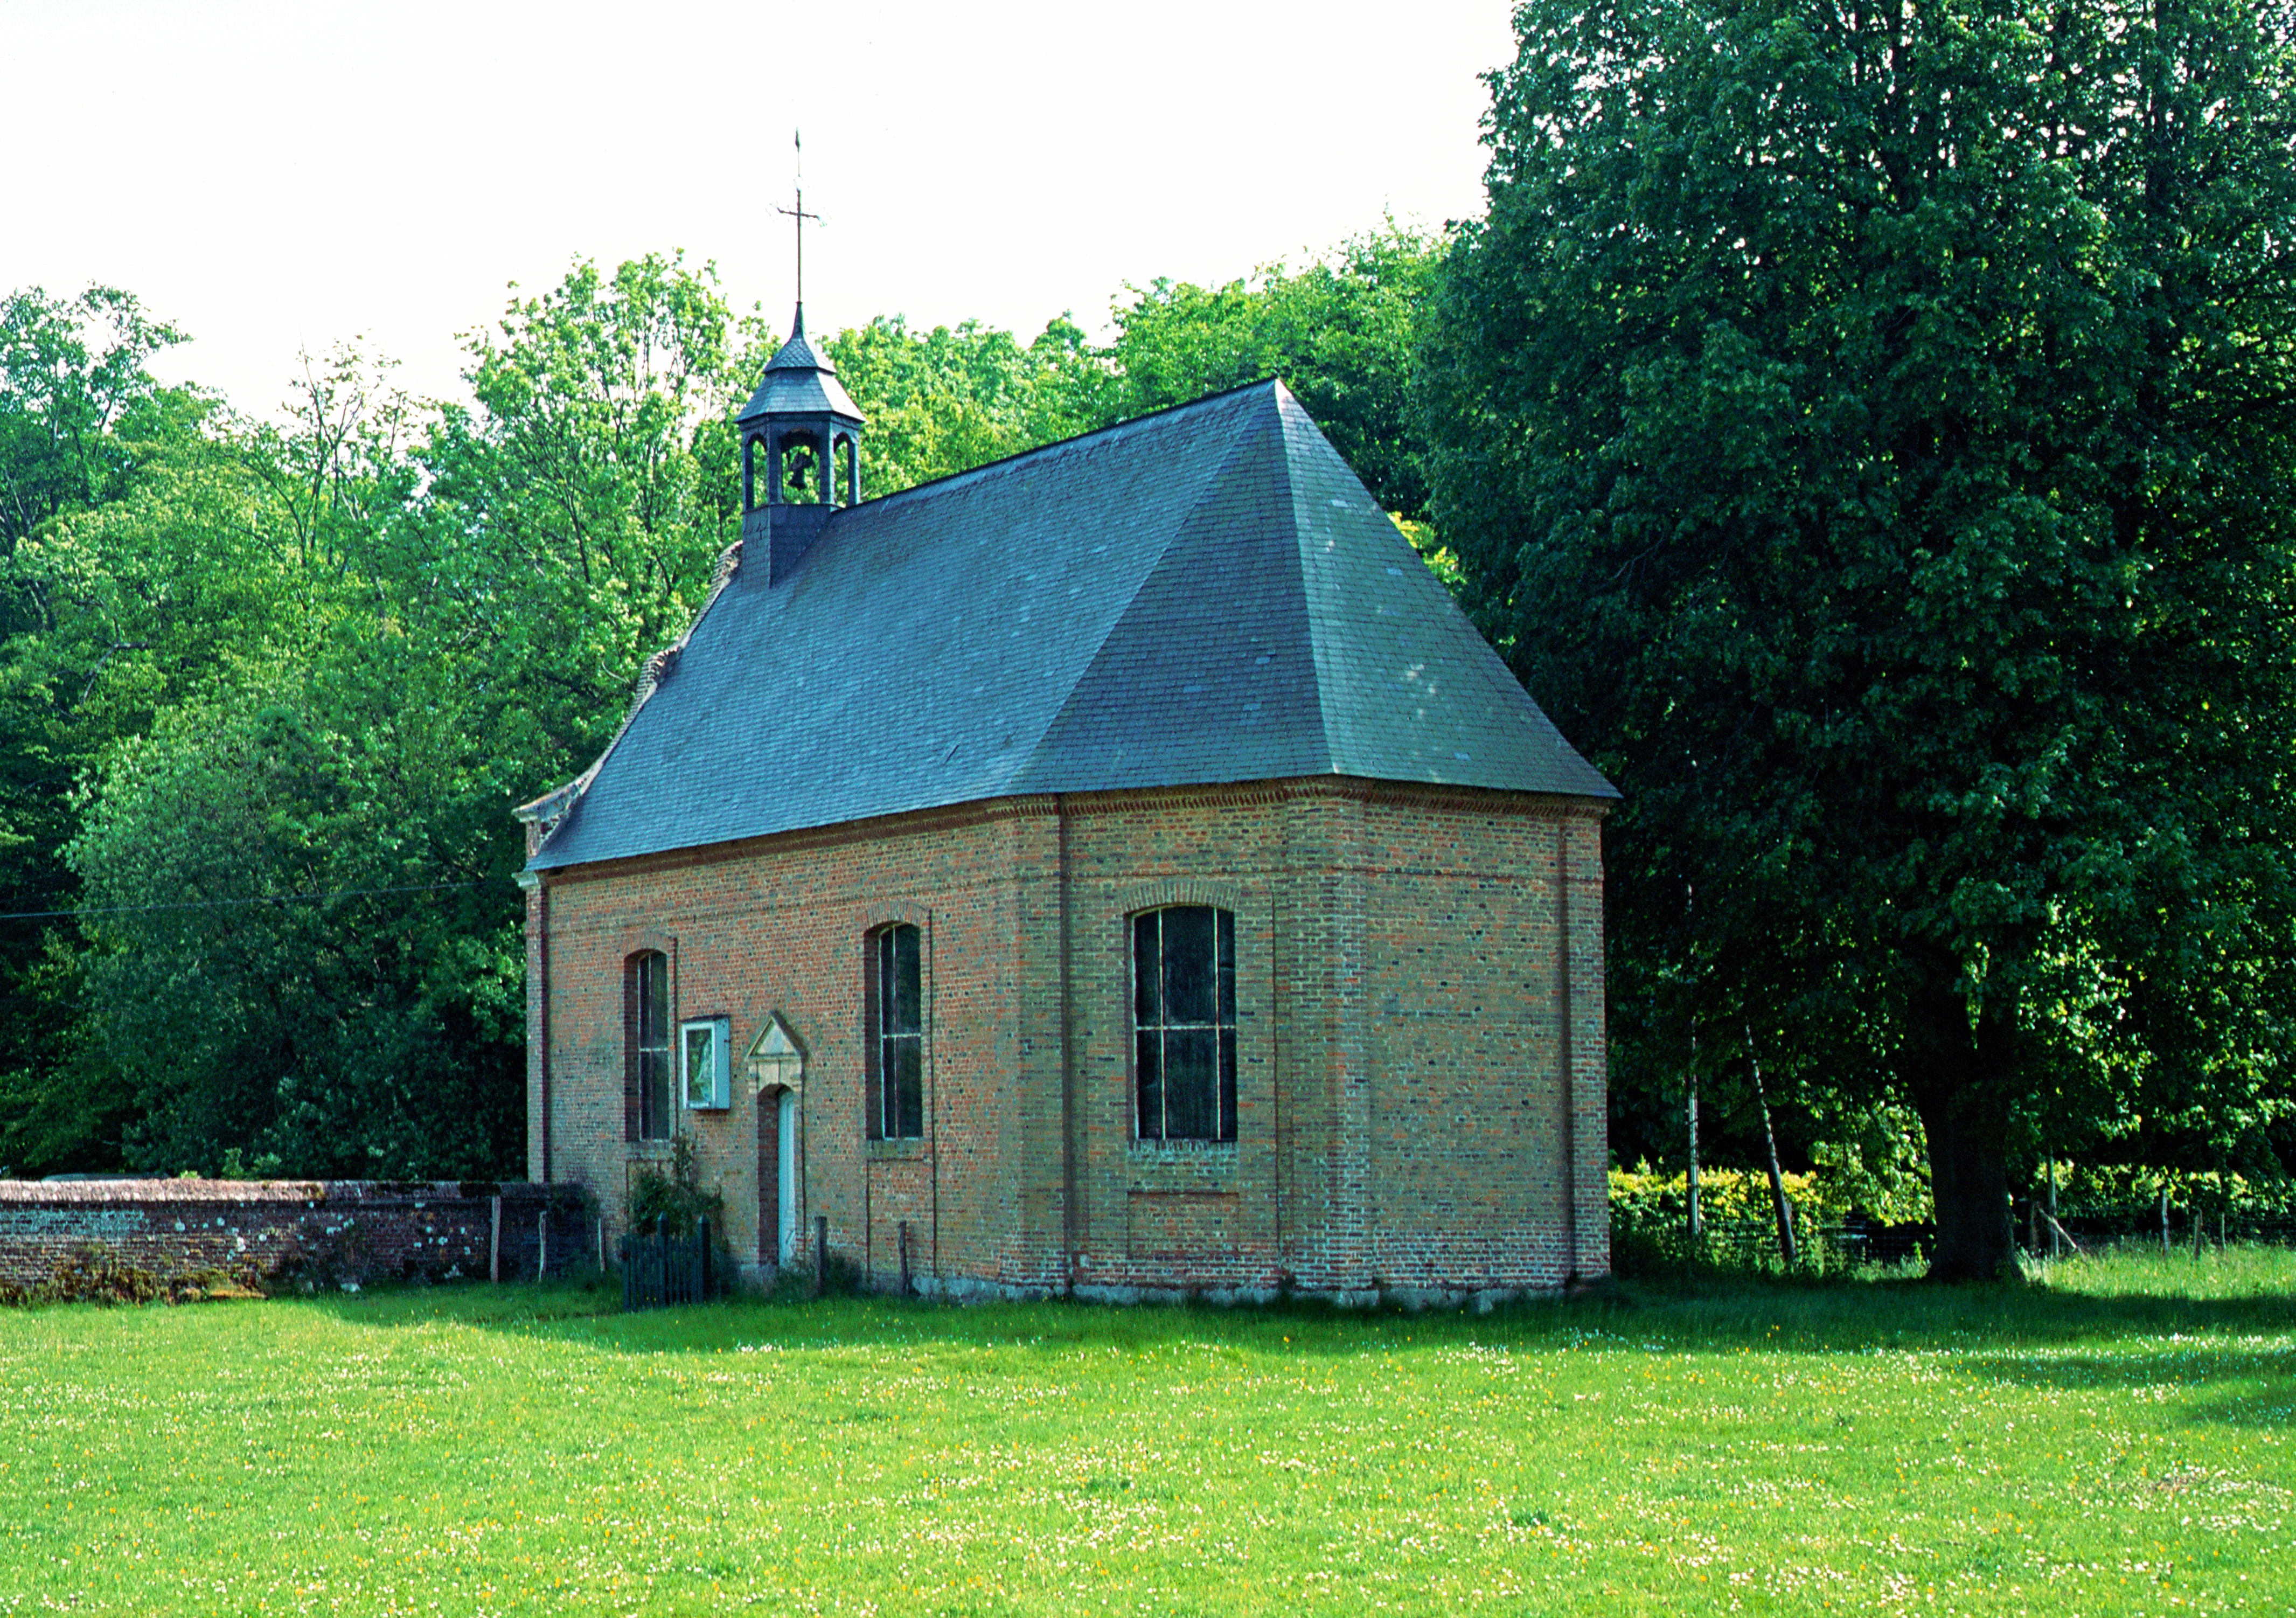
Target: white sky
[(274, 177)]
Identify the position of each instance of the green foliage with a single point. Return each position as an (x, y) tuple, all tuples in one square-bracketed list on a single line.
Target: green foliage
[(2121, 1192), (95, 1274), (675, 1198), (1645, 1194), (234, 1166), (379, 626), (1649, 1221), (1340, 331), (946, 400), (1873, 1163), (76, 401), (298, 949), (569, 524), (1868, 432), (1872, 1170), (121, 527)]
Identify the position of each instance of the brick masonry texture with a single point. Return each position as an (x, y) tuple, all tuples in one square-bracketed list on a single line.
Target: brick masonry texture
[(1421, 1081), (280, 1231)]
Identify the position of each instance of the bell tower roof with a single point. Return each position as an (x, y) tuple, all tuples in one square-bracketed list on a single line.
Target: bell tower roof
[(801, 380)]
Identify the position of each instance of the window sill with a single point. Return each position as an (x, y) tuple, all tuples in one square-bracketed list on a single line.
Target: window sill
[(1183, 1151), (895, 1151)]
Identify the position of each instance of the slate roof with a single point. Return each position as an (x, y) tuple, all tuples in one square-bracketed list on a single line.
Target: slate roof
[(800, 381), (1206, 595)]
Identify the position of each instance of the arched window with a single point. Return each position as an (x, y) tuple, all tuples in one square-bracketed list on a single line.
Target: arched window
[(847, 469), (645, 1039), (896, 1035), (1183, 1023)]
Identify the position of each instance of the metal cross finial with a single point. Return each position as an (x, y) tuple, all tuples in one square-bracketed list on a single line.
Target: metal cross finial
[(801, 216)]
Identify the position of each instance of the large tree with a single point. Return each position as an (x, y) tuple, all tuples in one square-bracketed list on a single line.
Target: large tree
[(1868, 430), (949, 399), (571, 518), (1339, 330), (303, 939), (122, 540)]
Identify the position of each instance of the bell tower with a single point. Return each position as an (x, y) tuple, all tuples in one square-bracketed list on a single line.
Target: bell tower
[(800, 441)]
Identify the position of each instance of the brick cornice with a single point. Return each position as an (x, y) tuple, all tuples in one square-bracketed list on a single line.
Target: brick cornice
[(955, 816)]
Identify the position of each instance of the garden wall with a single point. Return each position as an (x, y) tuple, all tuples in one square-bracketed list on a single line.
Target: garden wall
[(163, 1235)]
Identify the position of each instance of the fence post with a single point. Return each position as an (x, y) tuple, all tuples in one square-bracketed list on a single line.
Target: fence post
[(2055, 1233), (629, 1291), (493, 1242), (905, 1258), (542, 1240), (2164, 1220), (701, 1256), (820, 1254)]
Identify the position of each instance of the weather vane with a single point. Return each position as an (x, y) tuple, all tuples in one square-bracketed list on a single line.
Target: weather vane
[(801, 216)]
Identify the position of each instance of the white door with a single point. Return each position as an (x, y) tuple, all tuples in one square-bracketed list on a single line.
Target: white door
[(786, 1175)]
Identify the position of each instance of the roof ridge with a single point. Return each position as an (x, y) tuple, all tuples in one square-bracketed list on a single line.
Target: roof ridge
[(1299, 533), (1204, 487), (1126, 424)]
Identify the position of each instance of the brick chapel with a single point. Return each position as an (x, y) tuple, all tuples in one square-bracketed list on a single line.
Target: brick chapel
[(1117, 871)]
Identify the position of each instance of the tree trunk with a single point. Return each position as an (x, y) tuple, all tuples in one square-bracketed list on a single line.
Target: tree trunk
[(1958, 1080), (1697, 1227), (1779, 1204)]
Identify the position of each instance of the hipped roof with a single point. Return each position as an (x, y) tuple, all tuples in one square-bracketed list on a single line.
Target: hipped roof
[(800, 380), (1204, 596)]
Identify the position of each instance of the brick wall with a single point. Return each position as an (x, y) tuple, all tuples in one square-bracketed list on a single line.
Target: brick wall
[(278, 1232), (1420, 1014)]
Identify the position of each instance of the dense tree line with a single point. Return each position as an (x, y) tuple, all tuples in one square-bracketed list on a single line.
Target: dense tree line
[(268, 689), (1867, 430)]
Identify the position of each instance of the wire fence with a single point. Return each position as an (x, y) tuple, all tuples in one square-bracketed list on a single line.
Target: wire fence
[(1641, 1243)]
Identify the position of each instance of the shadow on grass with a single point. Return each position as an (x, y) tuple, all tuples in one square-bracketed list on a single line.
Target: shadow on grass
[(2248, 1387), (1830, 1315)]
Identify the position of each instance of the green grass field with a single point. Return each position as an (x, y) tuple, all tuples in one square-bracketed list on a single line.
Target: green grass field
[(2114, 1439)]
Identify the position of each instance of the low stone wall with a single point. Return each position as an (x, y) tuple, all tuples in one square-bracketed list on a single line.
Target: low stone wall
[(271, 1235)]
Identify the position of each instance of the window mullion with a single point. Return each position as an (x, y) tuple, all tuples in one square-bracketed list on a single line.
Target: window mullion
[(1163, 1054), (1163, 1048), (888, 1071)]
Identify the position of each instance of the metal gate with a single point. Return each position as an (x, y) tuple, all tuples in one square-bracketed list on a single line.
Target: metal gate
[(660, 1270)]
